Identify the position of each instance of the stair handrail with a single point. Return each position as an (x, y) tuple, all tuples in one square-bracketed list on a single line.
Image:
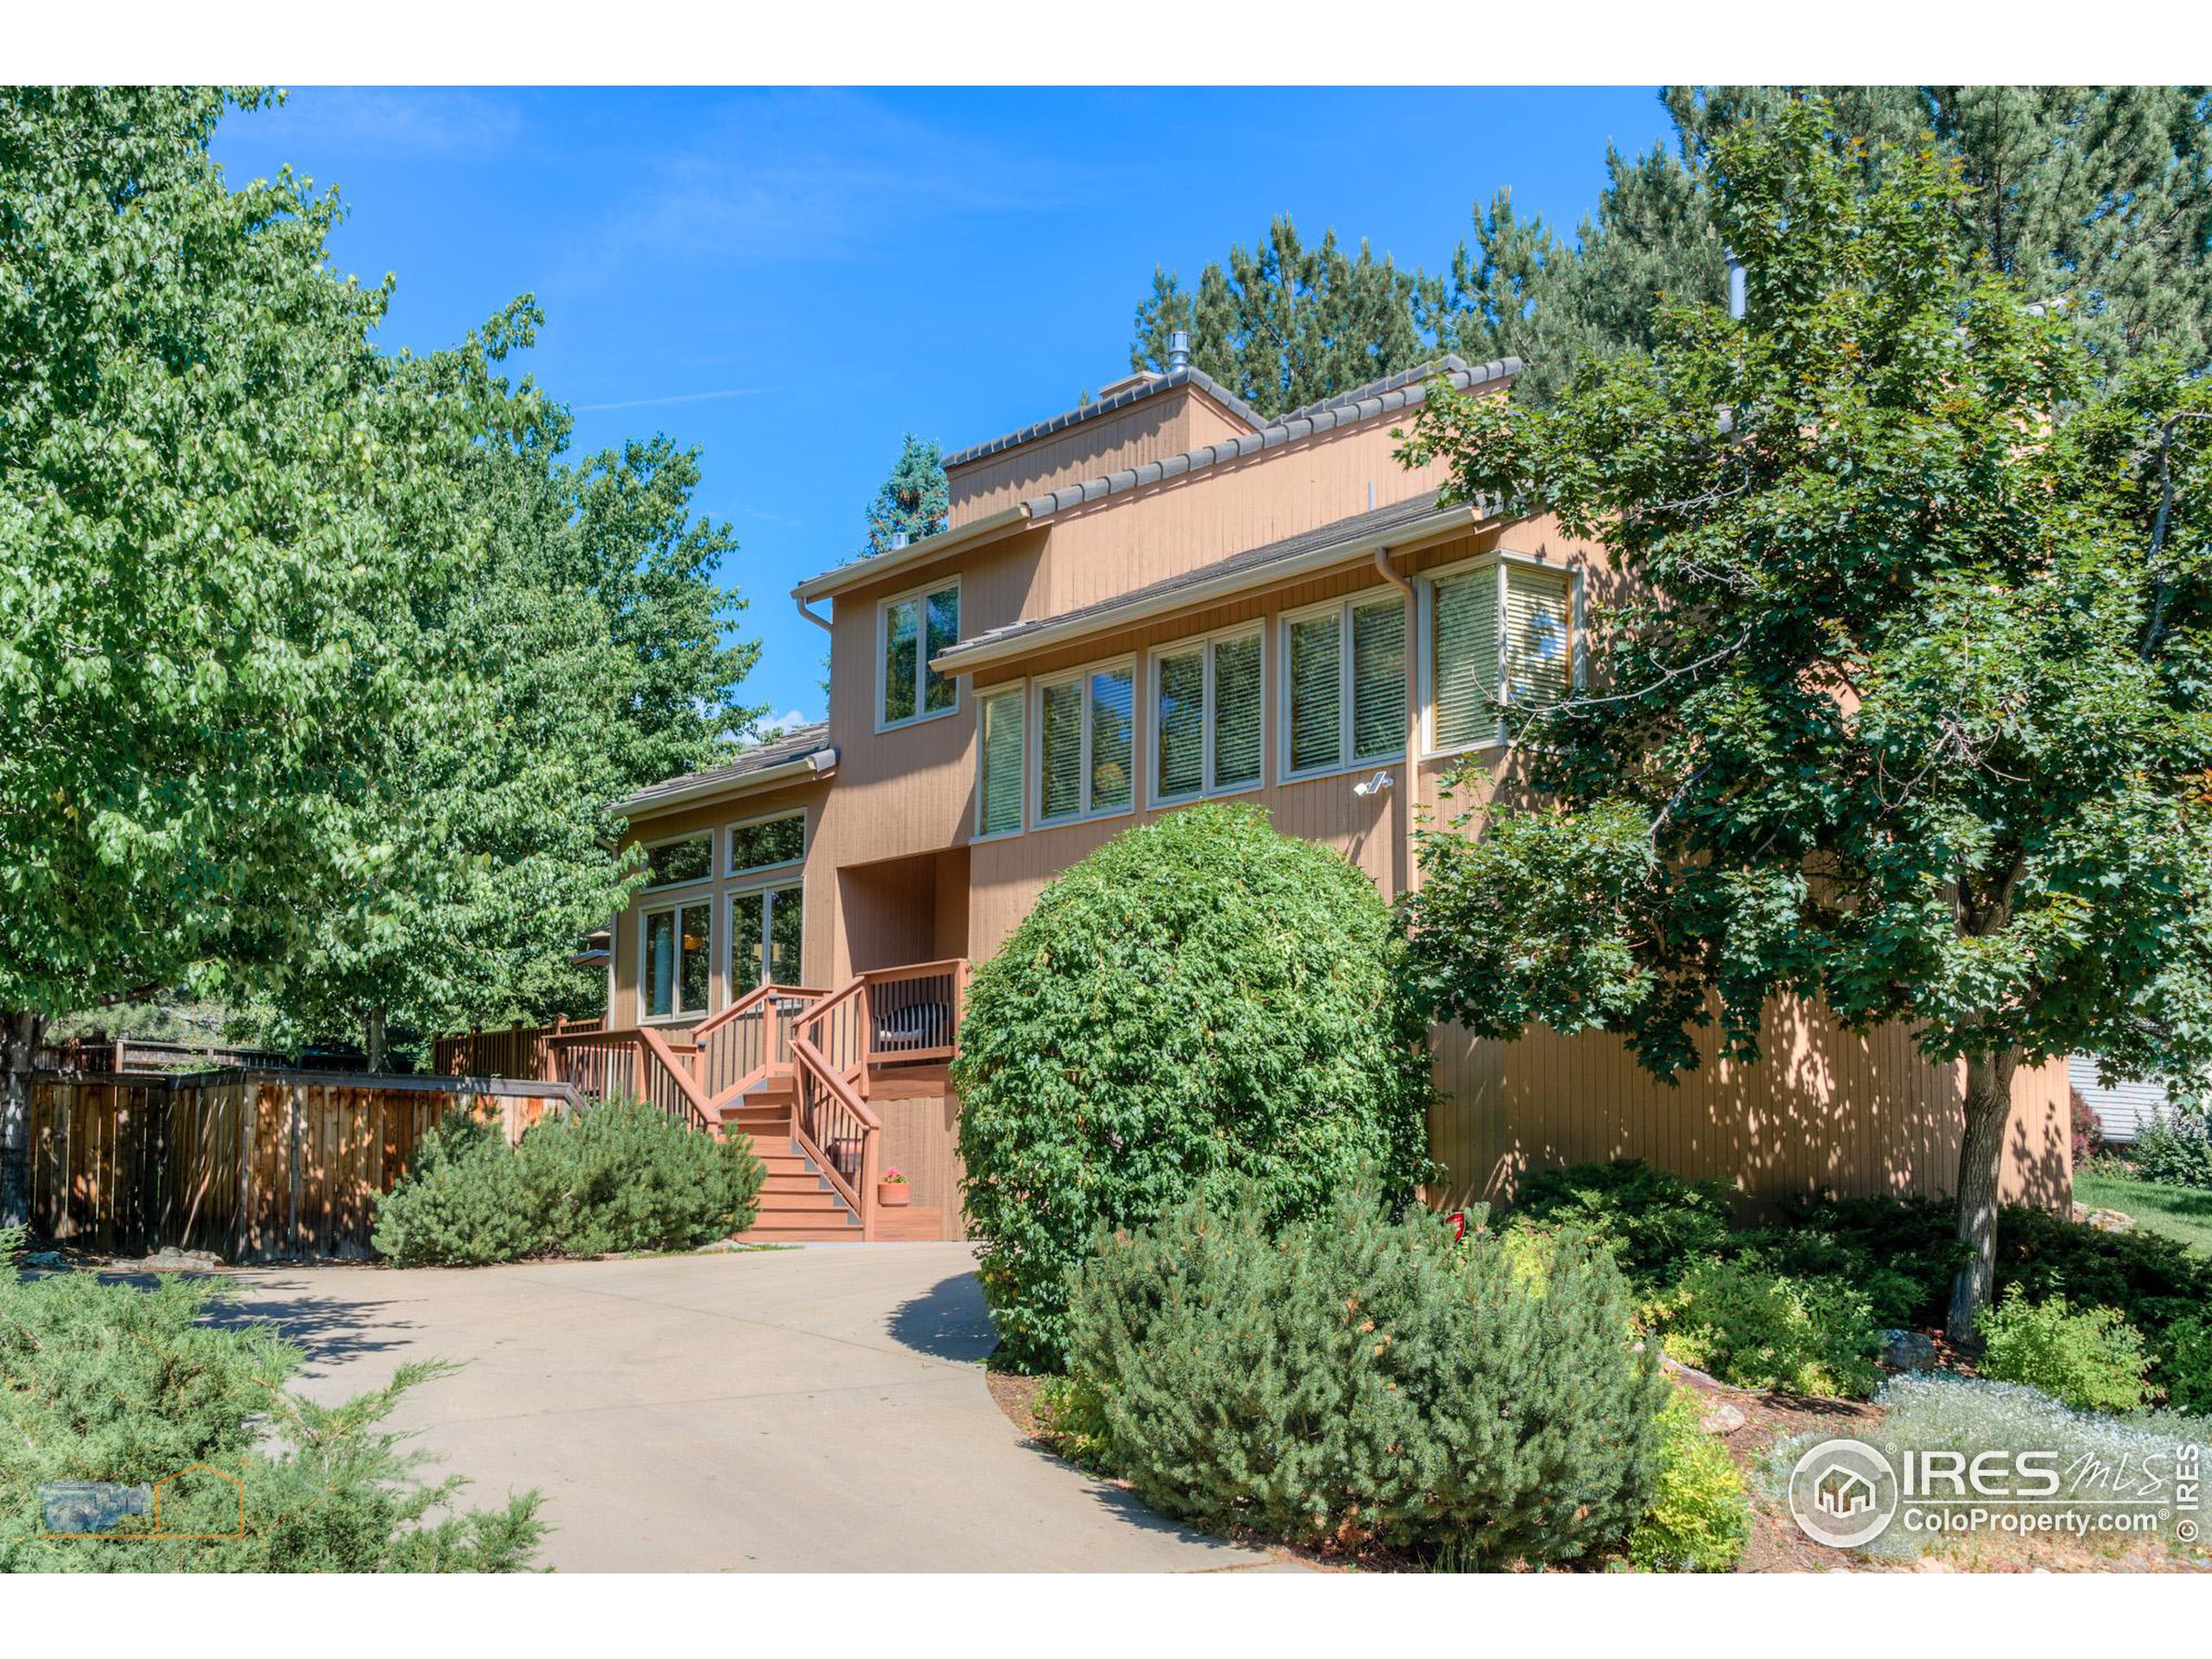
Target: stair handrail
[(768, 1000), (825, 1104), (679, 1072), (657, 1072)]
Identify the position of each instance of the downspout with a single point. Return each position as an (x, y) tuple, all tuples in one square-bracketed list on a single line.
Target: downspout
[(1405, 807), (820, 622)]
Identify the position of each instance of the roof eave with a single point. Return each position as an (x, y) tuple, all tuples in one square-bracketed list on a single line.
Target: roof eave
[(806, 768), (845, 577), (1445, 521)]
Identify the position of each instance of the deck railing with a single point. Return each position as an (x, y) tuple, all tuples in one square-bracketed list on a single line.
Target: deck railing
[(519, 1050), (640, 1063), (748, 1041)]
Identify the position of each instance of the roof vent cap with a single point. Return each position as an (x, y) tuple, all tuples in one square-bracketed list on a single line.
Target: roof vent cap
[(897, 540), (1178, 351)]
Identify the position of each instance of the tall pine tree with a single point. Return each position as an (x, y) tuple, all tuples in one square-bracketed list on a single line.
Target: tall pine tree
[(913, 500)]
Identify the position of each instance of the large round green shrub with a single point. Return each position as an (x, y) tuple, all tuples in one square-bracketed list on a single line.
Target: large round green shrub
[(1200, 1000), (1355, 1379)]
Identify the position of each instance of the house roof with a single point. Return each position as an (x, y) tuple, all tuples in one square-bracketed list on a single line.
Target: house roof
[(766, 763), (1415, 518), (1402, 391), (1150, 386)]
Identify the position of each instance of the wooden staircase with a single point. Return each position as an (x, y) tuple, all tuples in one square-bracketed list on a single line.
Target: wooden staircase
[(797, 1204)]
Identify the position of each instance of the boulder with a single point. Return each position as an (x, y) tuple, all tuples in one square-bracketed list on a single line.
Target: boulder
[(169, 1259), (1722, 1419), (1908, 1350)]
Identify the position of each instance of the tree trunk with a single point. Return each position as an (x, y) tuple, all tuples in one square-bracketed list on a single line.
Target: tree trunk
[(20, 1033), (373, 1043), (1981, 1154)]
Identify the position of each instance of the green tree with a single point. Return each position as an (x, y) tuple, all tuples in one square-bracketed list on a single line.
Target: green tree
[(913, 501), (1283, 324), (196, 562), (1905, 707)]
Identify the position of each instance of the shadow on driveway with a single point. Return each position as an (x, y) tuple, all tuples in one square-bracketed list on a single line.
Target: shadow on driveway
[(946, 1321)]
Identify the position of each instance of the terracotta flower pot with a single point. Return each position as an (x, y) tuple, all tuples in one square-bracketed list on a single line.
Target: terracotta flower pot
[(893, 1195)]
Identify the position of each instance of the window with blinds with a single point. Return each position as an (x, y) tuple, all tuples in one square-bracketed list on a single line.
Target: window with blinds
[(1499, 642), (998, 810), (1205, 718), (1347, 685), (1086, 744), (912, 630)]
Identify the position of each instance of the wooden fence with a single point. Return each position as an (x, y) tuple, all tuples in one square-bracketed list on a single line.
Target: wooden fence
[(518, 1052), (250, 1165)]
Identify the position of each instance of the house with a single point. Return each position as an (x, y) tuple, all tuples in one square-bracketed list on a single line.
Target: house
[(1159, 597)]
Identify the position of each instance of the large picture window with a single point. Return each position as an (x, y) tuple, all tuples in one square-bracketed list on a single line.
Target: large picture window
[(1086, 727), (1498, 642), (1345, 684), (999, 761), (766, 930), (767, 842), (1206, 717), (912, 630), (670, 864), (677, 946)]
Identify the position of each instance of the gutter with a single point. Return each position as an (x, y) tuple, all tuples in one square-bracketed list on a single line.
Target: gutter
[(988, 528), (820, 764), (1412, 783), (1444, 521)]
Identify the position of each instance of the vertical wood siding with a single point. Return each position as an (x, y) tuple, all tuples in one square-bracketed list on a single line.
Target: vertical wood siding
[(921, 1139), (1822, 1110)]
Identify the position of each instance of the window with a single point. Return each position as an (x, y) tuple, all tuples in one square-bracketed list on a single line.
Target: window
[(1498, 641), (1086, 744), (999, 762), (691, 859), (1206, 718), (766, 930), (767, 842), (912, 630), (1346, 684), (676, 958)]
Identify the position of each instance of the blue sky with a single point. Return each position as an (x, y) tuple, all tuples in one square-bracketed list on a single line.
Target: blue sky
[(792, 279)]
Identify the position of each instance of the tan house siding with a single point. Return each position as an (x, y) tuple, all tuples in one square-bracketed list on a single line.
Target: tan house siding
[(1823, 1111), (1170, 422)]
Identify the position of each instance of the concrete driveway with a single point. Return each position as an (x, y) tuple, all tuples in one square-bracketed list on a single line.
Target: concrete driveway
[(814, 1409)]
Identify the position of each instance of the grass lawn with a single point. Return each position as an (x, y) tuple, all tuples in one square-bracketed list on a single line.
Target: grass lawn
[(2181, 1212)]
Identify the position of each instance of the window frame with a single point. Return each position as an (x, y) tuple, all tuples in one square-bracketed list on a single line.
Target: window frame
[(921, 595), (731, 872), (708, 835), (1342, 609), (1203, 644), (1499, 561), (678, 1012), (1034, 713), (765, 891), (1016, 688)]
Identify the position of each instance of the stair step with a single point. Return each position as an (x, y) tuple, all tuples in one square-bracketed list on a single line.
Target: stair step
[(799, 1230), (795, 1181), (777, 1204)]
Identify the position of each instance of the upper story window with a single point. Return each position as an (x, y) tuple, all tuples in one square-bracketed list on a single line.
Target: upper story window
[(999, 760), (1344, 685), (766, 843), (1086, 730), (689, 858), (1498, 641), (1206, 717), (910, 630), (677, 944)]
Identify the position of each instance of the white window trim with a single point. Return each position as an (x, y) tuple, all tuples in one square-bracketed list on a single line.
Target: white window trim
[(731, 989), (921, 595), (1425, 679), (707, 836), (1342, 609), (984, 694), (1139, 751), (1203, 644), (676, 907), (729, 845)]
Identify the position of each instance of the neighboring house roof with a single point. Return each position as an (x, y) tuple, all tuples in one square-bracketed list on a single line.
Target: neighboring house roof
[(1417, 517), (1385, 397), (1111, 404), (804, 750)]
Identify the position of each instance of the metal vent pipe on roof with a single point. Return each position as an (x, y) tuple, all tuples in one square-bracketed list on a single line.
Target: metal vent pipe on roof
[(897, 540), (1179, 350), (1735, 284)]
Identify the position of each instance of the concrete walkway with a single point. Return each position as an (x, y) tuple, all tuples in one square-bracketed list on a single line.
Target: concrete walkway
[(813, 1409)]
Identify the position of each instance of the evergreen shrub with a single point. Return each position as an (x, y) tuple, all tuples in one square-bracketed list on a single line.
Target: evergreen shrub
[(1655, 1223), (1354, 1378), (1758, 1328), (1200, 1003)]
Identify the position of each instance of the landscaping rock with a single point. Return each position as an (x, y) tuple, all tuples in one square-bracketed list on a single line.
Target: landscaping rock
[(1908, 1350), (1722, 1419), (167, 1260), (2105, 1220), (52, 1260)]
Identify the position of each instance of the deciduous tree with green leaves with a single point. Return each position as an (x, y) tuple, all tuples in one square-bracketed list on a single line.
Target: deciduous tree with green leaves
[(1905, 709)]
